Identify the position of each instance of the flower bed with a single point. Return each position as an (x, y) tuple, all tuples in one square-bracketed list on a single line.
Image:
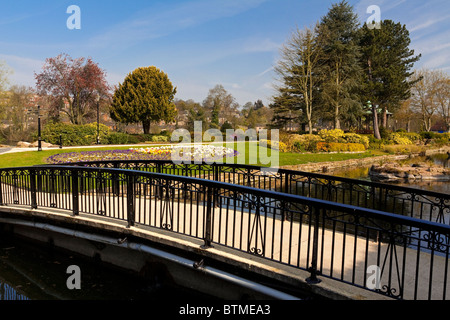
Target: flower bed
[(202, 152)]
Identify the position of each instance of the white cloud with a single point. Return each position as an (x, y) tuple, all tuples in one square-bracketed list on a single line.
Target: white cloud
[(24, 69), (420, 25)]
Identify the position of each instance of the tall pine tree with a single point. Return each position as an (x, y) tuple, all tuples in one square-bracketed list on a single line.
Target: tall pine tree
[(386, 60), (340, 69)]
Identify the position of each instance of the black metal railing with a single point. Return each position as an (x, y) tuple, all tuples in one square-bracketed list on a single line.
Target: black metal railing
[(399, 256), (412, 202)]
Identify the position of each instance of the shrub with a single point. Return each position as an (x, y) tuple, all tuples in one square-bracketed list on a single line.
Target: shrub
[(397, 138), (289, 140), (159, 138), (340, 147), (413, 136), (73, 135), (120, 138), (402, 149), (334, 135), (277, 145), (338, 136), (356, 138), (306, 142)]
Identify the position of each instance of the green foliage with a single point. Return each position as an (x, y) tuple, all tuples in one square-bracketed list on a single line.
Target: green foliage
[(402, 149), (160, 138), (386, 60), (145, 96), (72, 134), (396, 138), (277, 145), (306, 142), (340, 69), (226, 126), (325, 141), (120, 138), (339, 147), (337, 135)]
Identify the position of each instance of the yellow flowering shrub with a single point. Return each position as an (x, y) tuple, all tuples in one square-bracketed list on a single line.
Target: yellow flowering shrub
[(277, 145), (333, 135)]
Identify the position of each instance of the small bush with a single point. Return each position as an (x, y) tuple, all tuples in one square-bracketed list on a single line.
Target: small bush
[(397, 138), (277, 145), (402, 149), (306, 143), (340, 147), (160, 138), (334, 135), (120, 138)]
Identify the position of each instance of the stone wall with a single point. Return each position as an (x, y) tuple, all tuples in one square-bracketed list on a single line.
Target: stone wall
[(332, 165)]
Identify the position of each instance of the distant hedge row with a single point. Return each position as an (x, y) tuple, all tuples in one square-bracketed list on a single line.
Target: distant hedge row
[(84, 135)]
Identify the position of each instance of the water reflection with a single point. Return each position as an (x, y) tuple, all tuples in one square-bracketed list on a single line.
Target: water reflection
[(30, 272), (9, 293), (441, 159)]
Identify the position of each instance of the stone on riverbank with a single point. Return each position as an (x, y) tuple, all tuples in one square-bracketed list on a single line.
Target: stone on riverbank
[(398, 172)]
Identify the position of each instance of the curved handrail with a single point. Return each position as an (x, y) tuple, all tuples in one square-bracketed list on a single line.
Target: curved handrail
[(295, 230), (267, 169), (424, 204)]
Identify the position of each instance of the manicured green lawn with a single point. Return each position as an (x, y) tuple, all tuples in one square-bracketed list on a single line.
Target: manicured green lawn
[(252, 154), (31, 158)]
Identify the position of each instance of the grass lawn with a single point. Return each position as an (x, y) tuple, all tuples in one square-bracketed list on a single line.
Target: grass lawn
[(252, 154)]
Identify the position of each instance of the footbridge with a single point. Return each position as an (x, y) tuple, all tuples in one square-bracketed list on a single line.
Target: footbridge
[(245, 231)]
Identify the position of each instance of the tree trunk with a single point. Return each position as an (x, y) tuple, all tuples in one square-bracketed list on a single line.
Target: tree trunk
[(337, 122), (376, 129), (384, 118), (146, 126)]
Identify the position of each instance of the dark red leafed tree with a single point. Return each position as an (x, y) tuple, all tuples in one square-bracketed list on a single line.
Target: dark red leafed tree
[(73, 86)]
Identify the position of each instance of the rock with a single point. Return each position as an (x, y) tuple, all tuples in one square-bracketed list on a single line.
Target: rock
[(390, 172), (23, 144), (43, 145)]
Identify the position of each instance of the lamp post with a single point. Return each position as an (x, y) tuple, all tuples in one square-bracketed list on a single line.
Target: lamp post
[(39, 128), (98, 118)]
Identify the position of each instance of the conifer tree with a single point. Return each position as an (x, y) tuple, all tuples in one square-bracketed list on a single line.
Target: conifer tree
[(340, 69), (386, 60), (145, 96)]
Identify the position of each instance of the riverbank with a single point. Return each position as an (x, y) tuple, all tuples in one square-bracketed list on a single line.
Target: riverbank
[(354, 163)]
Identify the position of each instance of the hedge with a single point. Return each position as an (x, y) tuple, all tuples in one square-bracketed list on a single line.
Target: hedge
[(339, 147)]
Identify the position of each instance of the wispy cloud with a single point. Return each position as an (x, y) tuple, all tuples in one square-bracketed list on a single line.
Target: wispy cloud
[(24, 69), (421, 24), (154, 23)]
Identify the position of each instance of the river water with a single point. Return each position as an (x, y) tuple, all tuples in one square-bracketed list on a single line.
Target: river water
[(31, 272), (437, 186)]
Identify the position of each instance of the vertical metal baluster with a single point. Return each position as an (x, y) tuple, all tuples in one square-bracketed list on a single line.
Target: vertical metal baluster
[(313, 268)]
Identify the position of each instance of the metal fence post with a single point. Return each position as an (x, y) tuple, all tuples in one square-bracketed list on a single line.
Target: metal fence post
[(115, 181), (33, 188), (1, 189), (208, 221), (313, 269), (75, 204), (130, 200)]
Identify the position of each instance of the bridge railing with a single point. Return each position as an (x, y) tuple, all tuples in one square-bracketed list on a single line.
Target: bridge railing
[(399, 256), (412, 202)]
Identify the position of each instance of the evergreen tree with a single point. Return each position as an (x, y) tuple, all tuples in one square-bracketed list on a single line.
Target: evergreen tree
[(145, 96), (340, 69), (386, 61)]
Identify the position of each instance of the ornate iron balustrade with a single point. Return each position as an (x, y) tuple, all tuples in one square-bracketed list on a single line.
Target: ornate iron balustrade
[(422, 204), (326, 238)]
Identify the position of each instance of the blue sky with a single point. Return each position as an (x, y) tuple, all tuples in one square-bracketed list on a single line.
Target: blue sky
[(198, 43)]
